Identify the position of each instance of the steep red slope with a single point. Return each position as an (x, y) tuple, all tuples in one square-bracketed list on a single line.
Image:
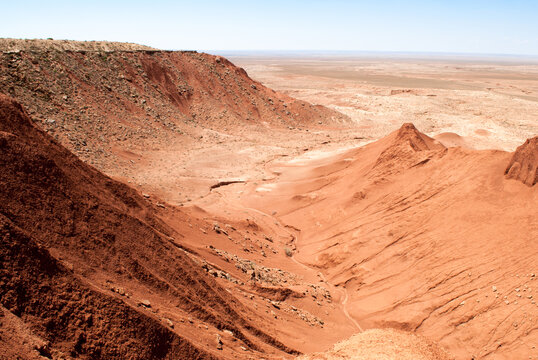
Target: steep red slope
[(70, 235), (423, 238), (92, 100), (524, 163), (71, 318)]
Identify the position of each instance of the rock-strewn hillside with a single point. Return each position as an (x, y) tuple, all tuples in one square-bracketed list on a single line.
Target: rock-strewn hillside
[(90, 269), (16, 45), (94, 96)]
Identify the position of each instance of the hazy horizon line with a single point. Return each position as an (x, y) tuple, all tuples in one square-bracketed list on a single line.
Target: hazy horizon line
[(304, 51), (323, 52), (387, 52)]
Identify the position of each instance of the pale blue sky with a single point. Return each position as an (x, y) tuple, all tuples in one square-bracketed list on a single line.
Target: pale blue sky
[(482, 26)]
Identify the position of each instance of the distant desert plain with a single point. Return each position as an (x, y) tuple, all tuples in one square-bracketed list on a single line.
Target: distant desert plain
[(481, 102)]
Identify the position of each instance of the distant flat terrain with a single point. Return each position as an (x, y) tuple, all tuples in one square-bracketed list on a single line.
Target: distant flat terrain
[(491, 102)]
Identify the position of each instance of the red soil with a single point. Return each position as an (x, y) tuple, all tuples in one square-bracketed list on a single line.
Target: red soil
[(382, 344), (524, 163), (405, 148), (423, 238), (401, 233), (70, 235)]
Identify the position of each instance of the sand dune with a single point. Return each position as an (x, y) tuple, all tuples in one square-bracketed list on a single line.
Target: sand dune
[(90, 269)]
